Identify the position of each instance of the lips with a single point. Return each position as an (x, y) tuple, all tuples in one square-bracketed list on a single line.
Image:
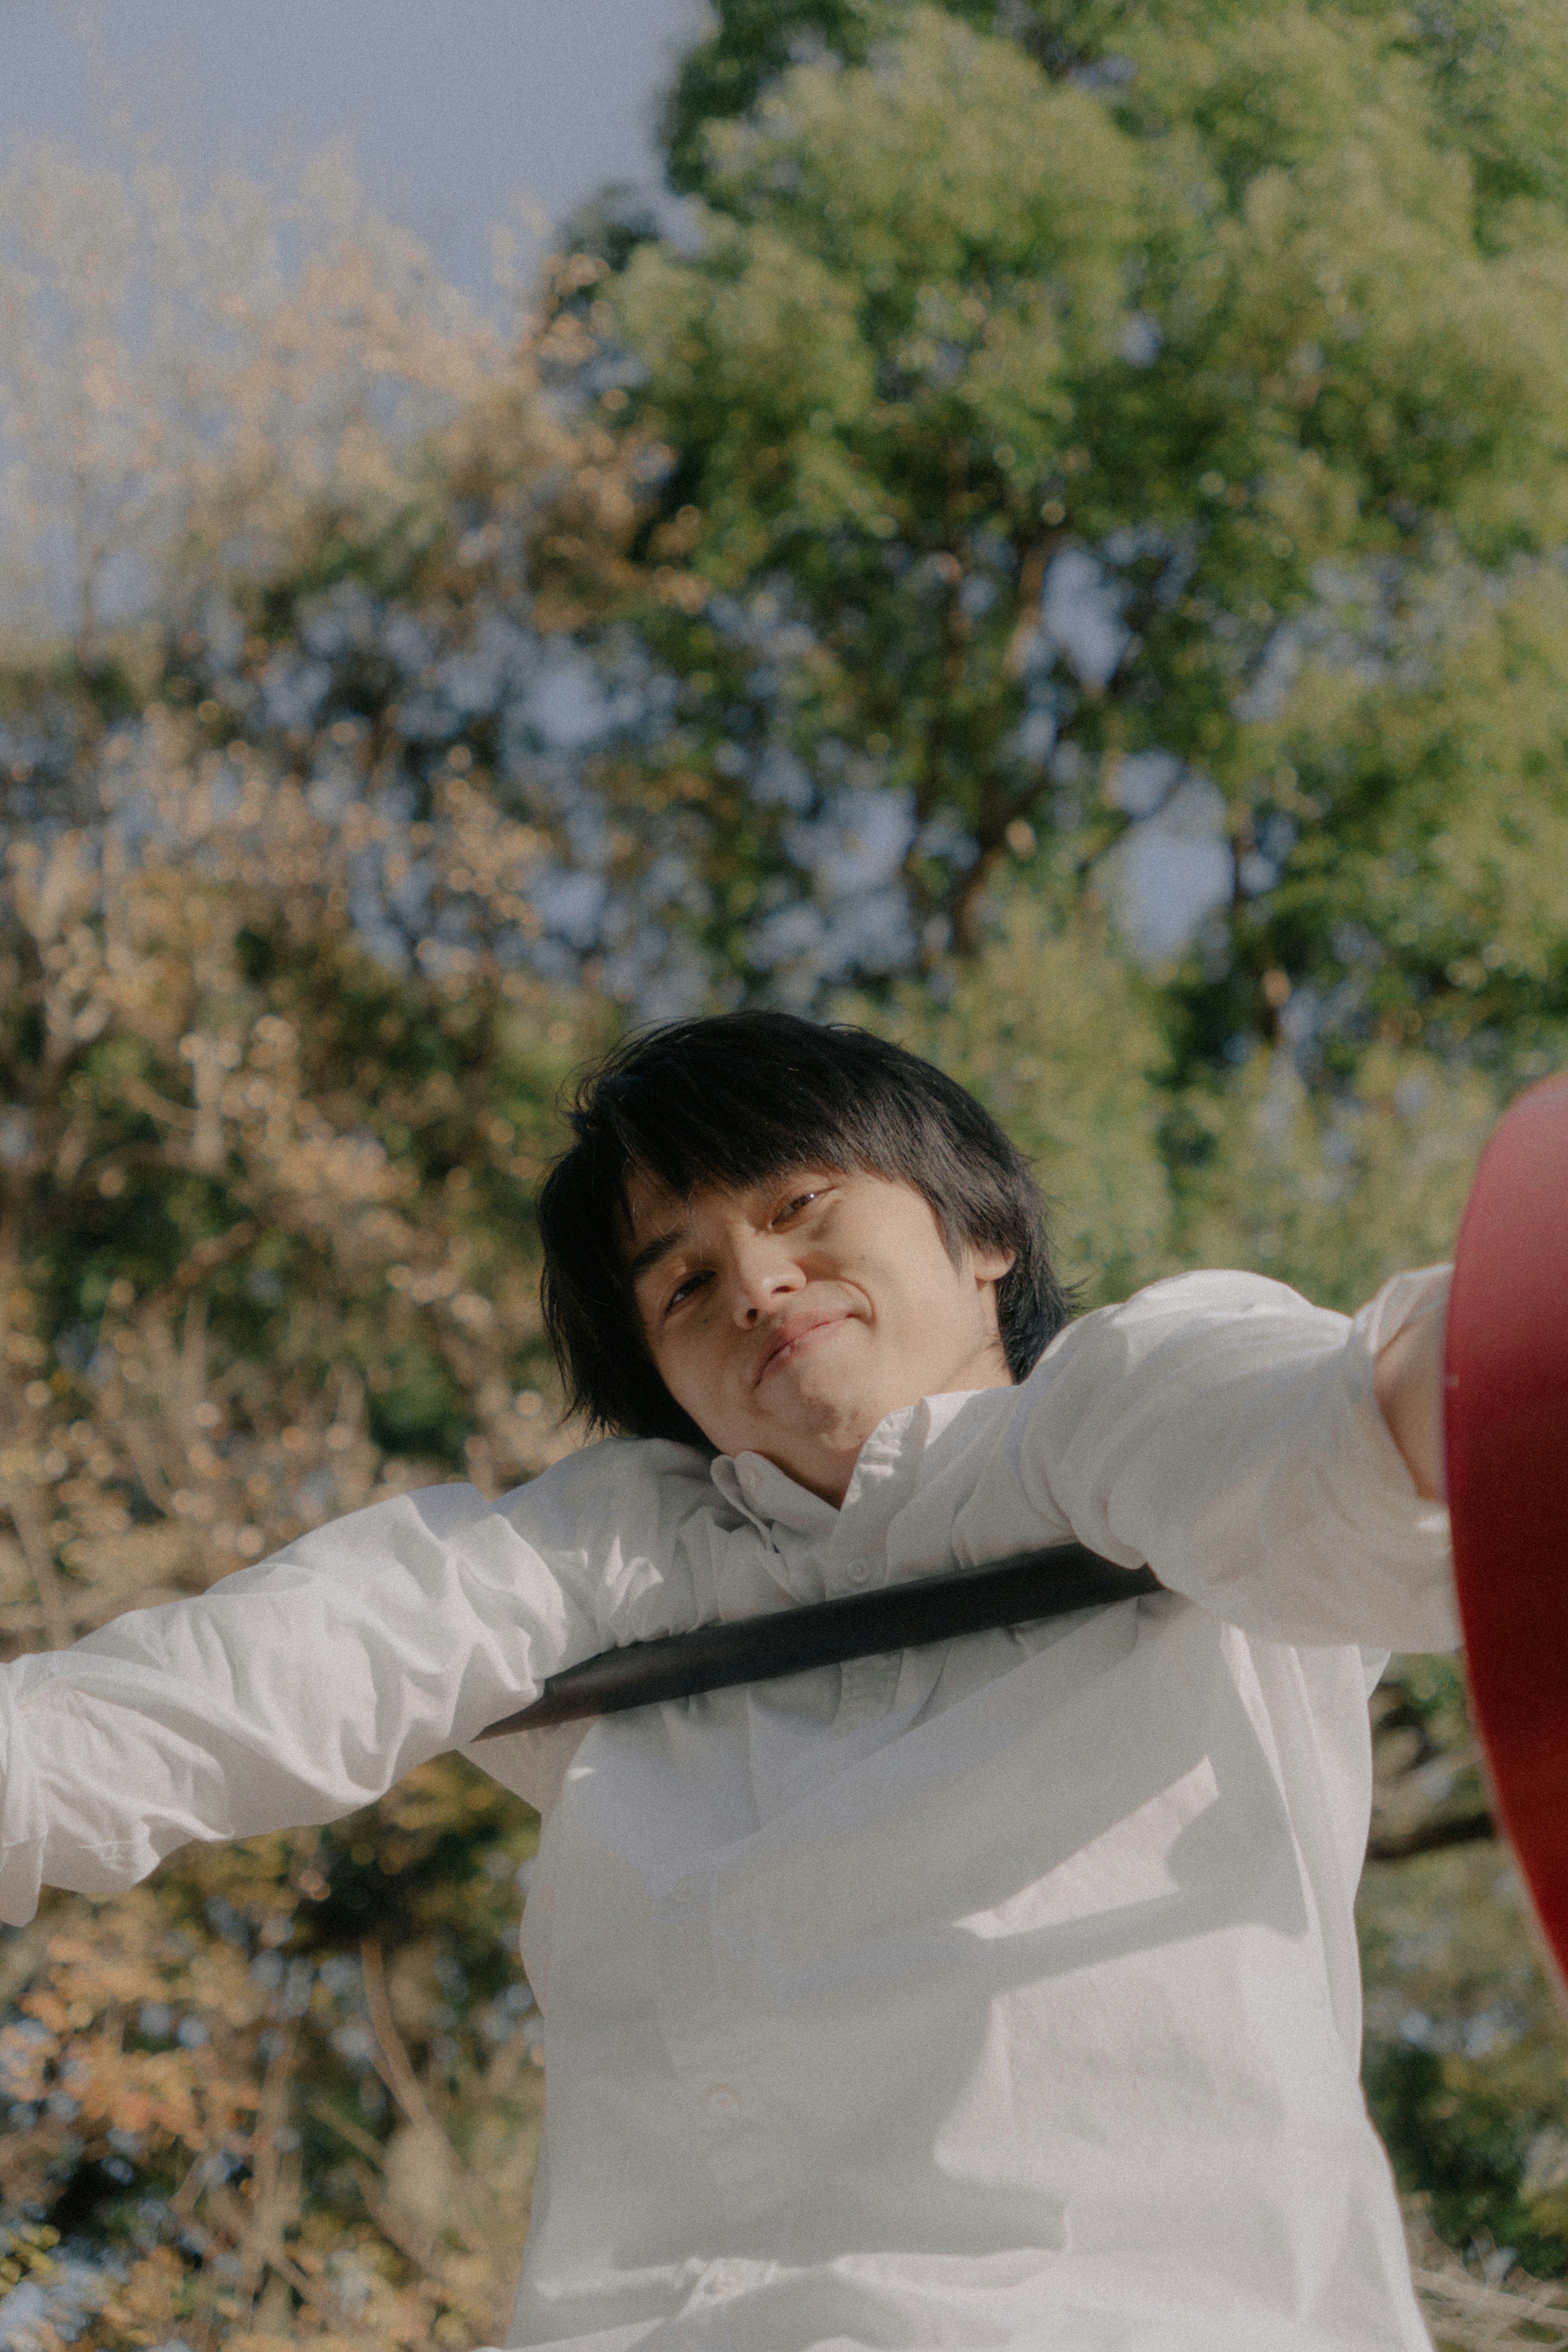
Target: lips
[(786, 1337)]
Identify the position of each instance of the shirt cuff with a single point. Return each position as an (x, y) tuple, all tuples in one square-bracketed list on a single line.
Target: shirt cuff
[(22, 1825)]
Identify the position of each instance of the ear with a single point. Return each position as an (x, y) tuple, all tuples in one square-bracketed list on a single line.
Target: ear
[(990, 1265)]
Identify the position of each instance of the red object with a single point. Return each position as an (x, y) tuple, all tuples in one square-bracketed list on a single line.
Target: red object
[(1506, 1448)]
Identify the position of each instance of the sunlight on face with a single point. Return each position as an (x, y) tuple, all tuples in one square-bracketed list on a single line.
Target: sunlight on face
[(790, 1318)]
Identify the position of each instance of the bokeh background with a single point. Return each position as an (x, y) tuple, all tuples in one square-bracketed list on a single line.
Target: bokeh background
[(1038, 526)]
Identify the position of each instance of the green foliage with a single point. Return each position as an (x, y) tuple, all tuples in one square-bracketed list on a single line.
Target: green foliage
[(1332, 1194), (869, 373), (1467, 2062), (1060, 1040), (1493, 70), (1254, 312), (1498, 73), (752, 41), (1434, 888)]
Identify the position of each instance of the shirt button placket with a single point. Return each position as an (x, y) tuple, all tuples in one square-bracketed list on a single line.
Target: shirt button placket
[(865, 1684)]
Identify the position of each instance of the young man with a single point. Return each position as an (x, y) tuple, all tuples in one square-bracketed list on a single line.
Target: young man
[(996, 1994)]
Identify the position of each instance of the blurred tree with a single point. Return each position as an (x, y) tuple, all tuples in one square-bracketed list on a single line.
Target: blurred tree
[(161, 357), (1466, 2051), (1431, 903), (1496, 70), (277, 1084), (265, 1253), (1051, 388), (1060, 1038), (333, 511), (1332, 1193)]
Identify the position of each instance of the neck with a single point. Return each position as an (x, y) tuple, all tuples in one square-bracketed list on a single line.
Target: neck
[(824, 1461)]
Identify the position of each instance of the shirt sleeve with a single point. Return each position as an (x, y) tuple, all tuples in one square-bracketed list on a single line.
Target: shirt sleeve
[(1226, 1432), (289, 1694)]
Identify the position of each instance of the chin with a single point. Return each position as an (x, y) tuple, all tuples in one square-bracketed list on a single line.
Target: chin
[(841, 1422)]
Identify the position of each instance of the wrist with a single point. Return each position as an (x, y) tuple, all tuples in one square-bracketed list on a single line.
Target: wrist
[(1408, 1384)]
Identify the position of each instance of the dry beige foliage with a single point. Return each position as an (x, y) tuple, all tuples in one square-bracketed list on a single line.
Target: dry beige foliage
[(164, 1072), (169, 1467), (194, 392), (175, 358), (436, 2260), (1470, 2313)]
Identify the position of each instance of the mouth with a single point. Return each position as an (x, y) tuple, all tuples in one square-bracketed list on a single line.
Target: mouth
[(792, 1340)]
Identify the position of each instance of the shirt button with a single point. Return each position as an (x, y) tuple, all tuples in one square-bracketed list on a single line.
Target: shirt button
[(726, 2279), (858, 1572), (723, 2101)]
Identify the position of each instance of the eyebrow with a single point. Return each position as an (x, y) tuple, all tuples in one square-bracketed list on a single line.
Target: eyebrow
[(650, 1254)]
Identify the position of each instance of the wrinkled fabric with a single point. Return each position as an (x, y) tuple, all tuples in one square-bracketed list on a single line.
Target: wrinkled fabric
[(998, 1993)]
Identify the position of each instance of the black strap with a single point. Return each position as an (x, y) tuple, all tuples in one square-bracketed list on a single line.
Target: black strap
[(1019, 1590)]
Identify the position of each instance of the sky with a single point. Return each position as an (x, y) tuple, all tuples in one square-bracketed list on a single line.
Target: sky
[(452, 106)]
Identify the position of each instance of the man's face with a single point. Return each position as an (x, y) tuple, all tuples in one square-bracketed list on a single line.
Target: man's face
[(790, 1318)]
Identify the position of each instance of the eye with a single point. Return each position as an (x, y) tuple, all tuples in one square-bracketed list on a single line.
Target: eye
[(685, 1290), (798, 1201)]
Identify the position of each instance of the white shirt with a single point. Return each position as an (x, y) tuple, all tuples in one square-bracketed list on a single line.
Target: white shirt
[(1003, 1994)]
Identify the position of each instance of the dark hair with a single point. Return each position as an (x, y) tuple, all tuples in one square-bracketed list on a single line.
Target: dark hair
[(732, 1101)]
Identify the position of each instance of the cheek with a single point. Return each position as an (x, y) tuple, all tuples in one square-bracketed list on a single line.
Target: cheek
[(916, 1278), (683, 1363)]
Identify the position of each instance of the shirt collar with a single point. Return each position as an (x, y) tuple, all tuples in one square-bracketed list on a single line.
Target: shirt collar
[(888, 1465), (770, 1497)]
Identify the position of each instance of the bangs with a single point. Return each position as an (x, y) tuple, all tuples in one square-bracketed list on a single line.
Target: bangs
[(731, 1117)]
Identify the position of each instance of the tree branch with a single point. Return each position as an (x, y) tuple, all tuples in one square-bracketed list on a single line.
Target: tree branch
[(1430, 1837)]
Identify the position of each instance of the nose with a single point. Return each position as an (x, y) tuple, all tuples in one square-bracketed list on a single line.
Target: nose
[(762, 1273)]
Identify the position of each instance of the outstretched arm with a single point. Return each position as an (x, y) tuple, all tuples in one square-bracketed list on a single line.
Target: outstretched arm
[(298, 1690), (291, 1692), (1219, 1427)]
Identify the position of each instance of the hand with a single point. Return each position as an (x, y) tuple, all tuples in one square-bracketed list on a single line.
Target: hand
[(1409, 1386)]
